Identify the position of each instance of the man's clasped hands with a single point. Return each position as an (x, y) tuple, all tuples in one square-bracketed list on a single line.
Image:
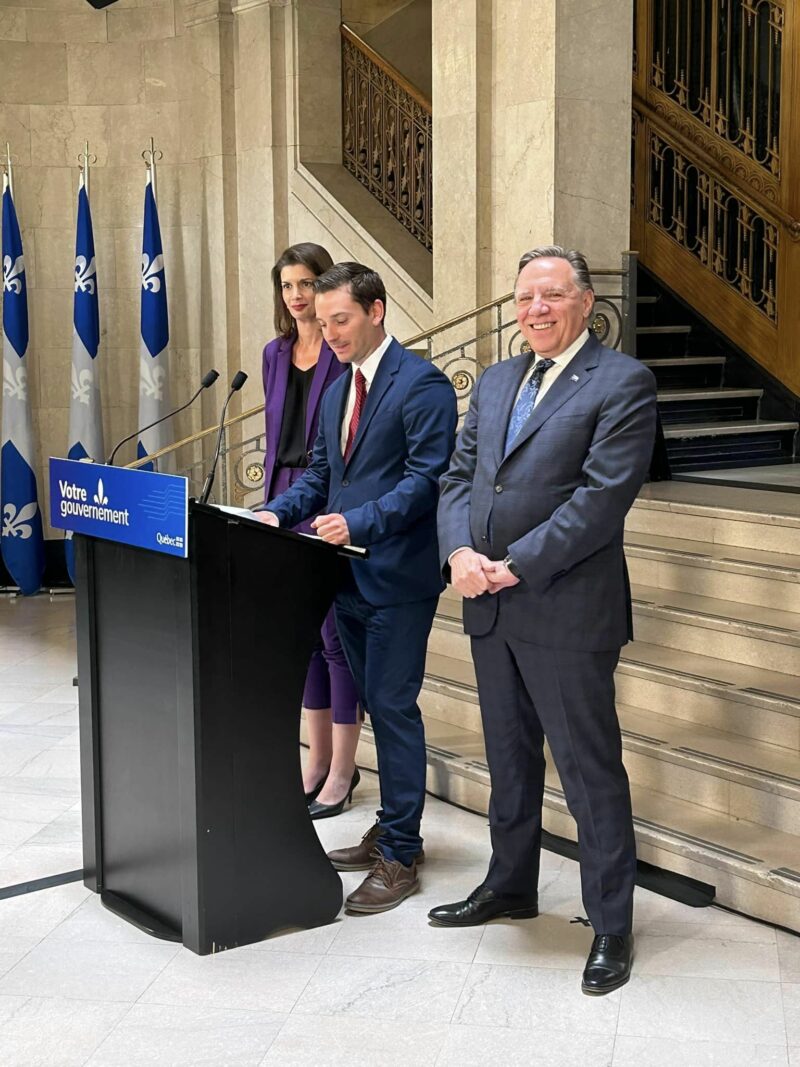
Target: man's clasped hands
[(473, 573)]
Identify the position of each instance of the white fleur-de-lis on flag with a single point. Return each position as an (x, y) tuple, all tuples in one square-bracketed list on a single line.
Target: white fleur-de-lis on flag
[(100, 496), (15, 383), (151, 380), (82, 382), (85, 275), (150, 271), (16, 523), (12, 274)]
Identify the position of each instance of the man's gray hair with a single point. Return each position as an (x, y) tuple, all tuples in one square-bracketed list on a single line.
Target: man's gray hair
[(576, 260)]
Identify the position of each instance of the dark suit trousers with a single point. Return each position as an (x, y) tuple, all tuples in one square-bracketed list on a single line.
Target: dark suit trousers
[(385, 647), (526, 693)]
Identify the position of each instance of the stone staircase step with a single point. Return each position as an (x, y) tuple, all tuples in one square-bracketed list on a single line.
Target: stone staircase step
[(719, 515), (669, 396), (768, 579), (755, 869), (725, 629), (746, 701), (686, 361), (688, 430), (742, 777), (703, 625), (746, 779)]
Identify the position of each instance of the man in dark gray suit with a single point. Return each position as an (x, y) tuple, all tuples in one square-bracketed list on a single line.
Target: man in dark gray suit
[(554, 449)]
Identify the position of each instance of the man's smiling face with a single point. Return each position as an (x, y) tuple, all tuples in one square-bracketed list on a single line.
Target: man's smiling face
[(551, 309)]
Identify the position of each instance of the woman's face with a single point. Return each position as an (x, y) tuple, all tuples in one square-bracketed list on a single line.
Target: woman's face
[(297, 288)]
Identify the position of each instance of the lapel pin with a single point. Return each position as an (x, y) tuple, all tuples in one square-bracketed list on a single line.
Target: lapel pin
[(574, 378)]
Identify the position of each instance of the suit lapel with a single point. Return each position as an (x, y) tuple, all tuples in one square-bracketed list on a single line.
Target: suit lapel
[(336, 397), (324, 361), (569, 382), (384, 375)]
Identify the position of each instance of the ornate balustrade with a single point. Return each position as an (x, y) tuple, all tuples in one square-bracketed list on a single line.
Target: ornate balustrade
[(716, 195), (387, 136)]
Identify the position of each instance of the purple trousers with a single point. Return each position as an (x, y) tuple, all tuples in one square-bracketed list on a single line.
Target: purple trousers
[(329, 683)]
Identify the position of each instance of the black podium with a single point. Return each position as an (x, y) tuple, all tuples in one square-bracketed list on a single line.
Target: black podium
[(195, 825)]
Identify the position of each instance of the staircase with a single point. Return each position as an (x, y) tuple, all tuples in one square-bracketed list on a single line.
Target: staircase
[(713, 417), (708, 696)]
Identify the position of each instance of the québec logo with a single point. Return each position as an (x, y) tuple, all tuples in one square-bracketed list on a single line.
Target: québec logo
[(100, 496)]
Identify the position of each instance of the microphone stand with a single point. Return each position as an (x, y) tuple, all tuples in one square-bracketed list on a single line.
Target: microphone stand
[(208, 380), (238, 381)]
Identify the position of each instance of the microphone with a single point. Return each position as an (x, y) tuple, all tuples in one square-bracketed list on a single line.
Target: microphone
[(208, 380), (239, 379)]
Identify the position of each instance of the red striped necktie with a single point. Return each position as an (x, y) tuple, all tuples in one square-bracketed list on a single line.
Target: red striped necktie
[(355, 418)]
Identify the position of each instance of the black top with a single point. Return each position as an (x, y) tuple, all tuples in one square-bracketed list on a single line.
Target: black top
[(292, 443)]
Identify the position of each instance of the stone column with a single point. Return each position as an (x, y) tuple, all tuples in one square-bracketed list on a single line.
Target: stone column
[(531, 108)]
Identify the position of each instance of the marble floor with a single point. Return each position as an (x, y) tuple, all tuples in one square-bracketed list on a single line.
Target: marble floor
[(78, 986)]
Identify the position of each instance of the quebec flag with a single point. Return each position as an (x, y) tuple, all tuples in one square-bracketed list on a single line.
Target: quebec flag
[(85, 413), (153, 353), (21, 537)]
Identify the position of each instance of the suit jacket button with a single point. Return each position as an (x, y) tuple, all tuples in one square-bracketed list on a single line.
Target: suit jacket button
[(345, 482), (498, 489), (484, 537)]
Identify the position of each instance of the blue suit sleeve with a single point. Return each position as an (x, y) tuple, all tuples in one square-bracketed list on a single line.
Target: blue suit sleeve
[(456, 486), (429, 421), (309, 494), (614, 470)]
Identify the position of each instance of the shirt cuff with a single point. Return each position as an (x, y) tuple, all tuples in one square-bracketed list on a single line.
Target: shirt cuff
[(455, 553)]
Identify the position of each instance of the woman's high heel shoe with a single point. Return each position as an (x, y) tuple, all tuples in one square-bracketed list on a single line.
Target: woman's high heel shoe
[(315, 792), (327, 811)]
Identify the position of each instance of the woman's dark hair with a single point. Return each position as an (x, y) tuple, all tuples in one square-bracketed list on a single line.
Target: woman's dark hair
[(305, 254), (365, 285)]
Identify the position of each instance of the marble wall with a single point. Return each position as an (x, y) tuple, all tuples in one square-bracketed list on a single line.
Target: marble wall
[(532, 112), (243, 98)]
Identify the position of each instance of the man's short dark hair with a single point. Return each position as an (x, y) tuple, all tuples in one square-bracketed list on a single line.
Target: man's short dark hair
[(365, 285)]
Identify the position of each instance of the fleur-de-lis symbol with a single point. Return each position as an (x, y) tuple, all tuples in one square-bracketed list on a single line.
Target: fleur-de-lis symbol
[(15, 383), (85, 275), (12, 274), (150, 271), (151, 380), (82, 383), (18, 523), (100, 496)]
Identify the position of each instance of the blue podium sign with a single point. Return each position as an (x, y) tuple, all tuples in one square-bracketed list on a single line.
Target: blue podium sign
[(136, 507)]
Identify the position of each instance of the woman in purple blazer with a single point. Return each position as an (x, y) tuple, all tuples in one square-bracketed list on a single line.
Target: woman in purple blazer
[(298, 368)]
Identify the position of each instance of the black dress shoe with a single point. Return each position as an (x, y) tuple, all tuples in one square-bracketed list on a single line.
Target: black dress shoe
[(327, 811), (609, 964), (315, 792), (482, 905)]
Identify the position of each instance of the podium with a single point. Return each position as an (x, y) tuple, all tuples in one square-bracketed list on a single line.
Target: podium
[(195, 825)]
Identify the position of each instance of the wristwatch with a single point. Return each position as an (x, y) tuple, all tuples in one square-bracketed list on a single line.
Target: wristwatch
[(512, 567)]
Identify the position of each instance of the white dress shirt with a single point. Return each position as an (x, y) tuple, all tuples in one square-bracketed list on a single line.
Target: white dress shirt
[(368, 367), (552, 373)]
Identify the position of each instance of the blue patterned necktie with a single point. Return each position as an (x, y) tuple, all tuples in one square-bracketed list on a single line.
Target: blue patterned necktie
[(527, 399)]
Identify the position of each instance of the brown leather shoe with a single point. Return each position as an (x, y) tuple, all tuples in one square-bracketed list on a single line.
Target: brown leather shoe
[(361, 857), (387, 885)]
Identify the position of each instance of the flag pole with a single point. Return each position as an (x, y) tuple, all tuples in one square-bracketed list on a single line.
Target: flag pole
[(150, 155), (8, 170)]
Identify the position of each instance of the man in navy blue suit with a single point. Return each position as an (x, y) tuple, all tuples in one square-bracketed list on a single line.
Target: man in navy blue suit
[(554, 449), (386, 433)]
